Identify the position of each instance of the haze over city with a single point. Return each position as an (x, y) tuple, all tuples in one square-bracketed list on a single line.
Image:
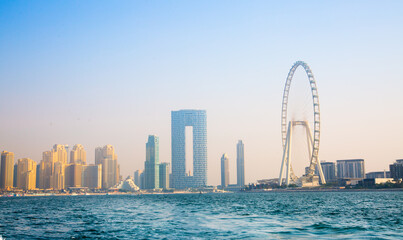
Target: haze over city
[(97, 74)]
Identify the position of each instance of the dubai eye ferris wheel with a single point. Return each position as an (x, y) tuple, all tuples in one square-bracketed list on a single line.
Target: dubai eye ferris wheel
[(312, 135)]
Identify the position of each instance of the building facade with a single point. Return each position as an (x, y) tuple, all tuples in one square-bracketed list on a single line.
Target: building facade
[(198, 120), (224, 171), (240, 164), (137, 178), (107, 157), (26, 174), (380, 174), (396, 169), (151, 166), (351, 168), (329, 170), (7, 170), (78, 155), (164, 175), (92, 176), (73, 174)]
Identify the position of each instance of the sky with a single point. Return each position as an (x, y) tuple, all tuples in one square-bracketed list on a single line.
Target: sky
[(111, 72)]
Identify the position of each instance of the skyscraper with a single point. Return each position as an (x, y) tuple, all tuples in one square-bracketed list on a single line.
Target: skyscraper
[(198, 120), (7, 170), (240, 164), (164, 175), (78, 155), (137, 178), (151, 166), (224, 171), (110, 167), (99, 155), (352, 168), (26, 174), (61, 152)]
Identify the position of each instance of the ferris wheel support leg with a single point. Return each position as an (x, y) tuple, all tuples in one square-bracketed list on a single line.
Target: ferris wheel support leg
[(285, 158), (322, 177), (289, 137), (280, 179)]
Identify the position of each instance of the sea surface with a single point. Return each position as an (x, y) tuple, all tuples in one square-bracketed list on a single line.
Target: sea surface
[(273, 215)]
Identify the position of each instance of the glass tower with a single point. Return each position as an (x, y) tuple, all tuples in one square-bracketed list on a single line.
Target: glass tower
[(152, 178), (224, 171), (240, 164), (198, 120)]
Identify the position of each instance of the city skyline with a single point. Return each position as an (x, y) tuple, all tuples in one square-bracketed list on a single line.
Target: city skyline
[(121, 83)]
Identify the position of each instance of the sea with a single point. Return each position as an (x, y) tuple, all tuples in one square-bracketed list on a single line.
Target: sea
[(271, 215)]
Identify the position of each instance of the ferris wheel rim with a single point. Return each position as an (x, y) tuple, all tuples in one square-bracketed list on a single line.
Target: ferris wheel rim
[(316, 108)]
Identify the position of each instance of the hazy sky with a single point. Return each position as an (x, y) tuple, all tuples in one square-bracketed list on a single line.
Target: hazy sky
[(111, 72)]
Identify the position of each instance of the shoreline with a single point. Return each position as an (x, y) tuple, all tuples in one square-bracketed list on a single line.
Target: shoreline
[(198, 193)]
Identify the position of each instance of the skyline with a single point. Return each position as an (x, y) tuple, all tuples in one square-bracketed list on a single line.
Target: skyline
[(71, 75)]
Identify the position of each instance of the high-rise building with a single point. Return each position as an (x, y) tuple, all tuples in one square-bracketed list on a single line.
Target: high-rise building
[(164, 175), (142, 180), (99, 155), (110, 167), (137, 178), (7, 170), (61, 152), (92, 176), (351, 168), (26, 174), (78, 155), (329, 171), (73, 174), (52, 168), (15, 175), (198, 120), (240, 164), (224, 171), (396, 169), (151, 168)]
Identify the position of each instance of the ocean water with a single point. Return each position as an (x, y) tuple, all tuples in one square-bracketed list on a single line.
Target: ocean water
[(274, 215)]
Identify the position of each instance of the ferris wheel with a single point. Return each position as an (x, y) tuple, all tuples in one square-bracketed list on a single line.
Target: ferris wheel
[(312, 136)]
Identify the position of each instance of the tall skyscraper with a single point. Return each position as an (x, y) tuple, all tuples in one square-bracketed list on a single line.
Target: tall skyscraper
[(99, 155), (78, 155), (61, 152), (26, 174), (352, 168), (224, 171), (137, 178), (151, 168), (164, 175), (110, 167), (198, 120), (7, 170), (52, 168), (240, 164)]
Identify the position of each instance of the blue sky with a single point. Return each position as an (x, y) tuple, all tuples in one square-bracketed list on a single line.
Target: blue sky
[(103, 72)]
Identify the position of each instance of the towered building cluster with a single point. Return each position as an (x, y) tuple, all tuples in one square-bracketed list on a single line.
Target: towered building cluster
[(55, 172), (240, 166)]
